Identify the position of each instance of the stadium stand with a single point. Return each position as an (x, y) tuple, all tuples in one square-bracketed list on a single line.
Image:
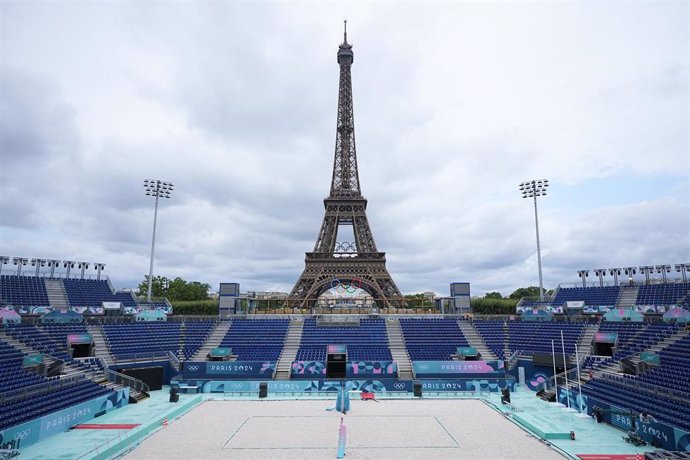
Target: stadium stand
[(494, 334), (367, 342), (432, 339), (55, 397), (138, 339), (607, 295), (662, 294), (12, 375), (92, 293), (256, 339), (26, 291)]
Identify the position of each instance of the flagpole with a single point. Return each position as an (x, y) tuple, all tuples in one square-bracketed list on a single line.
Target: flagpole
[(555, 380), (579, 380), (565, 368)]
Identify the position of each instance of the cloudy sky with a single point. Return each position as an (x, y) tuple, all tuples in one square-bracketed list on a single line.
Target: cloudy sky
[(455, 105)]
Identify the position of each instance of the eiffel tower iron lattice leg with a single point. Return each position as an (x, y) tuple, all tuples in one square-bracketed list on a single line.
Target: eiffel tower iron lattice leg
[(358, 264)]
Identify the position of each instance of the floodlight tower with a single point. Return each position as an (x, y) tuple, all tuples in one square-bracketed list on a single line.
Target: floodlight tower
[(83, 266), (53, 264), (534, 189), (663, 269), (4, 260), (682, 268), (157, 189), (630, 271), (69, 265), (99, 267), (20, 262), (615, 272), (647, 269), (600, 272), (583, 274), (38, 263)]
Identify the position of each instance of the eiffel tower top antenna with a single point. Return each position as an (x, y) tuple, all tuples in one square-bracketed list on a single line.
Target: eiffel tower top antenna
[(345, 38)]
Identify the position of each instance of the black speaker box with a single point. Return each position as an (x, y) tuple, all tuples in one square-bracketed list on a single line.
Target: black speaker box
[(263, 390), (417, 389), (174, 398)]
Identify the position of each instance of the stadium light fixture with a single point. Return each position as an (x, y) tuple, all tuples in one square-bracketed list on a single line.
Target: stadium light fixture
[(647, 269), (20, 262), (682, 268), (630, 271), (615, 272), (83, 266), (663, 269), (38, 263), (600, 272), (4, 260), (157, 189), (53, 264), (534, 189), (583, 274), (69, 265), (99, 267)]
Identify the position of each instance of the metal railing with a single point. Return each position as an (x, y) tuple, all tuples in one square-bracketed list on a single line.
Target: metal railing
[(127, 381), (513, 360), (174, 361)]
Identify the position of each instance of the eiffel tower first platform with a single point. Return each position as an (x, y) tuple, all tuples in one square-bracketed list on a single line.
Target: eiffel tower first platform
[(334, 263)]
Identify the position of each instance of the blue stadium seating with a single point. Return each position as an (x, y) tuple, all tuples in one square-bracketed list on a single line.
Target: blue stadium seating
[(432, 339), (256, 339), (367, 342), (140, 339), (662, 294), (91, 293), (607, 295), (25, 291)]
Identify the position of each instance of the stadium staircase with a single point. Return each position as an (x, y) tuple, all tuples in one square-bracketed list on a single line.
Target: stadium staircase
[(212, 341), (396, 343), (506, 341), (48, 360), (584, 346), (101, 349), (289, 352), (475, 340), (656, 348), (57, 298), (627, 296)]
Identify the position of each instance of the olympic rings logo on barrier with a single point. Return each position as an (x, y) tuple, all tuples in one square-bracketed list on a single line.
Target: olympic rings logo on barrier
[(349, 287), (399, 386), (194, 368), (22, 435)]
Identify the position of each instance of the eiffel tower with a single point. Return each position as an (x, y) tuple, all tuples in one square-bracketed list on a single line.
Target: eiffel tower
[(333, 263)]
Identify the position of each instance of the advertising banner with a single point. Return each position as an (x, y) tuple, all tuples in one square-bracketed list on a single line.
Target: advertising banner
[(79, 339), (372, 368), (606, 337), (230, 369), (465, 368)]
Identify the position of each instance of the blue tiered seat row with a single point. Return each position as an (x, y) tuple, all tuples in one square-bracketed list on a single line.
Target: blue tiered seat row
[(256, 339), (133, 340), (432, 339), (26, 291), (195, 334), (674, 371), (674, 412), (21, 410), (12, 376), (367, 342), (662, 294), (91, 293), (51, 339), (530, 337), (607, 295), (493, 333)]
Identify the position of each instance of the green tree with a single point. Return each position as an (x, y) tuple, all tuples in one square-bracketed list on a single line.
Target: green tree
[(177, 289), (531, 292), (158, 289), (493, 295)]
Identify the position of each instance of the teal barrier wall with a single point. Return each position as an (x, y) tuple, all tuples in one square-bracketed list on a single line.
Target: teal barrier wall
[(36, 430)]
